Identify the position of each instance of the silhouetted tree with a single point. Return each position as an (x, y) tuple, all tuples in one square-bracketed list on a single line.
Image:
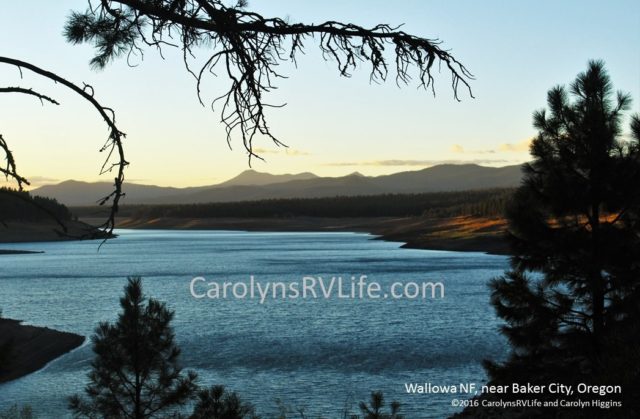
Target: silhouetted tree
[(135, 373), (375, 408), (248, 47), (218, 403), (571, 301)]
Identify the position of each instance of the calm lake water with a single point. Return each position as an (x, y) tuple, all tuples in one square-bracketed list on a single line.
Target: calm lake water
[(320, 354)]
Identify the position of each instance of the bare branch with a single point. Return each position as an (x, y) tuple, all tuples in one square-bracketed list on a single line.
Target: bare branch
[(11, 170), (249, 47), (28, 92), (113, 143)]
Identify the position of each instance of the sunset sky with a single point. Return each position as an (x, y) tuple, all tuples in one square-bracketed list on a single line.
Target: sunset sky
[(517, 50)]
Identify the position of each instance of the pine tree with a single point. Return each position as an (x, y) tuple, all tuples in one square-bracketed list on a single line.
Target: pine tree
[(218, 403), (571, 300), (375, 408), (135, 373)]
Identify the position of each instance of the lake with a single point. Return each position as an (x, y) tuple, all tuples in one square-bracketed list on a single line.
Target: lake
[(318, 354)]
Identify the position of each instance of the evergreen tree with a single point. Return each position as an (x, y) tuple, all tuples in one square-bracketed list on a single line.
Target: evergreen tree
[(571, 300), (375, 408), (135, 373), (217, 403)]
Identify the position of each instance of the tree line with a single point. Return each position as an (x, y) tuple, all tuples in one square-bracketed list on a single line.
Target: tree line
[(18, 205), (489, 203)]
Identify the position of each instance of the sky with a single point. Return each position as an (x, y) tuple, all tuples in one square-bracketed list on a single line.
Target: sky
[(333, 126)]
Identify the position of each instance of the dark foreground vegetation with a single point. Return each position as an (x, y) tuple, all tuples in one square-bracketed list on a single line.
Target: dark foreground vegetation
[(136, 373), (571, 300)]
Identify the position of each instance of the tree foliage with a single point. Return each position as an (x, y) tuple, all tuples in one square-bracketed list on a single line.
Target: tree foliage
[(136, 373), (17, 412), (487, 203), (376, 408), (248, 48), (18, 205), (218, 403), (571, 303)]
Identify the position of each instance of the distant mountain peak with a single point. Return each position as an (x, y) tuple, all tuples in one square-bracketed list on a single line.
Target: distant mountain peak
[(254, 185), (251, 177)]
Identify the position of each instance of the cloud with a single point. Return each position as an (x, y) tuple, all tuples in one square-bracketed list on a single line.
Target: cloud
[(457, 148), (420, 163), (40, 180), (34, 180), (284, 150), (294, 152), (522, 146), (137, 180)]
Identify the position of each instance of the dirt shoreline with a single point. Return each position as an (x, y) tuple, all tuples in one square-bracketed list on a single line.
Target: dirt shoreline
[(465, 233), (33, 347), (38, 232)]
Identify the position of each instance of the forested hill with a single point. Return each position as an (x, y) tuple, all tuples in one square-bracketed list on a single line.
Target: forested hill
[(22, 206), (28, 218), (486, 203)]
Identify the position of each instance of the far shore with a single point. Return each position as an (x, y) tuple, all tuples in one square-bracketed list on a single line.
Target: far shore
[(464, 233), (33, 347)]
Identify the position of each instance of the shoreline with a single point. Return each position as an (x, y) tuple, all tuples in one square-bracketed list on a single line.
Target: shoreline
[(33, 347), (19, 252), (463, 233), (13, 232)]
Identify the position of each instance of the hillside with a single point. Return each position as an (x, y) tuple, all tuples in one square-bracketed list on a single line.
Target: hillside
[(28, 218), (252, 185)]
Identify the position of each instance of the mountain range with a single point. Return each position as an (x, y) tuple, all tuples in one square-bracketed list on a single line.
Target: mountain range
[(253, 185)]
